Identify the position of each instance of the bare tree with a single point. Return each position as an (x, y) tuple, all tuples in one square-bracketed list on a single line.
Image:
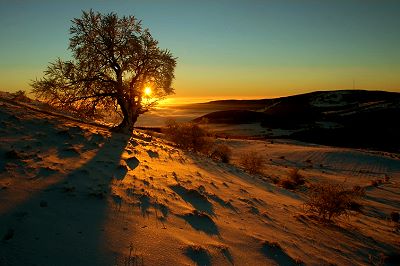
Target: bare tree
[(114, 60)]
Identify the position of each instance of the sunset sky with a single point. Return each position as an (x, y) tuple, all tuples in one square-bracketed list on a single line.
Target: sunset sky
[(226, 49)]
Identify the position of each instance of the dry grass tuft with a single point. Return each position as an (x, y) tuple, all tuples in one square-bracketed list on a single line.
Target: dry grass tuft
[(191, 137), (394, 216), (20, 96), (222, 153), (294, 180), (188, 136), (252, 162)]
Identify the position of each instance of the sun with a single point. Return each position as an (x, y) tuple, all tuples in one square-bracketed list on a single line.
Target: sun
[(147, 91)]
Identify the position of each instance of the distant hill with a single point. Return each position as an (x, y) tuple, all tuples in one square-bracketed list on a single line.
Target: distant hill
[(74, 193), (354, 118), (327, 99), (231, 104)]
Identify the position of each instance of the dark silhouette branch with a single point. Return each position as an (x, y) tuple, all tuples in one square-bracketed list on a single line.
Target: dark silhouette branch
[(114, 59)]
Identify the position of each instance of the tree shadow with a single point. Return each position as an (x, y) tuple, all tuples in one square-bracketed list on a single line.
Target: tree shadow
[(63, 224)]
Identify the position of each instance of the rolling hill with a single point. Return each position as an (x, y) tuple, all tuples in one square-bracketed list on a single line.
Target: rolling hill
[(352, 118), (74, 193)]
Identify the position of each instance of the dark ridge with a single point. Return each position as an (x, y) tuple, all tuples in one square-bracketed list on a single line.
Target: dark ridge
[(348, 118), (349, 95)]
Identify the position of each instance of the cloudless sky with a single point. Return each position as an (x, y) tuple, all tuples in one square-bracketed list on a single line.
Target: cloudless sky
[(235, 49)]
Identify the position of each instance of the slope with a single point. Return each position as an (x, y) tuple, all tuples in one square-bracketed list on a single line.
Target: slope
[(76, 194)]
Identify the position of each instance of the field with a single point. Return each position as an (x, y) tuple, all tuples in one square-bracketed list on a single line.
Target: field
[(76, 194)]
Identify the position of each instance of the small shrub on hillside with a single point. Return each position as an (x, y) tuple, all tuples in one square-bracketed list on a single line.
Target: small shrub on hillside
[(386, 178), (395, 216), (329, 201), (274, 179), (296, 177), (294, 180), (20, 96), (252, 162), (287, 184), (221, 152), (188, 136), (355, 206), (376, 182)]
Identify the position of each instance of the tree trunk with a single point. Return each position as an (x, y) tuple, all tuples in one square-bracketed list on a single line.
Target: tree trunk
[(130, 117)]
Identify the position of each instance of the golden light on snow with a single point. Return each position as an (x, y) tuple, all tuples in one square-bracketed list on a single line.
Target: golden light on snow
[(147, 91)]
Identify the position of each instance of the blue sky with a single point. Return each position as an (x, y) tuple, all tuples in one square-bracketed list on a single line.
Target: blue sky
[(241, 49)]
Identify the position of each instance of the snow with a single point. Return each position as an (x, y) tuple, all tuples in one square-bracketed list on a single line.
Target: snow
[(330, 99), (77, 194)]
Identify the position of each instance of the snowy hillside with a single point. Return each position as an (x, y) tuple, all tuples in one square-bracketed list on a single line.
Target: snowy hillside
[(77, 194)]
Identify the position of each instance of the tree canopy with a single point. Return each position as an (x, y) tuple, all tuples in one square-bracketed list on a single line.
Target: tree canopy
[(114, 61)]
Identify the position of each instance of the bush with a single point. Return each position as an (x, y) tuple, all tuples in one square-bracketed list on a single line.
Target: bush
[(293, 181), (252, 162), (376, 182), (394, 216), (221, 152), (329, 201), (287, 184), (188, 136), (20, 96)]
